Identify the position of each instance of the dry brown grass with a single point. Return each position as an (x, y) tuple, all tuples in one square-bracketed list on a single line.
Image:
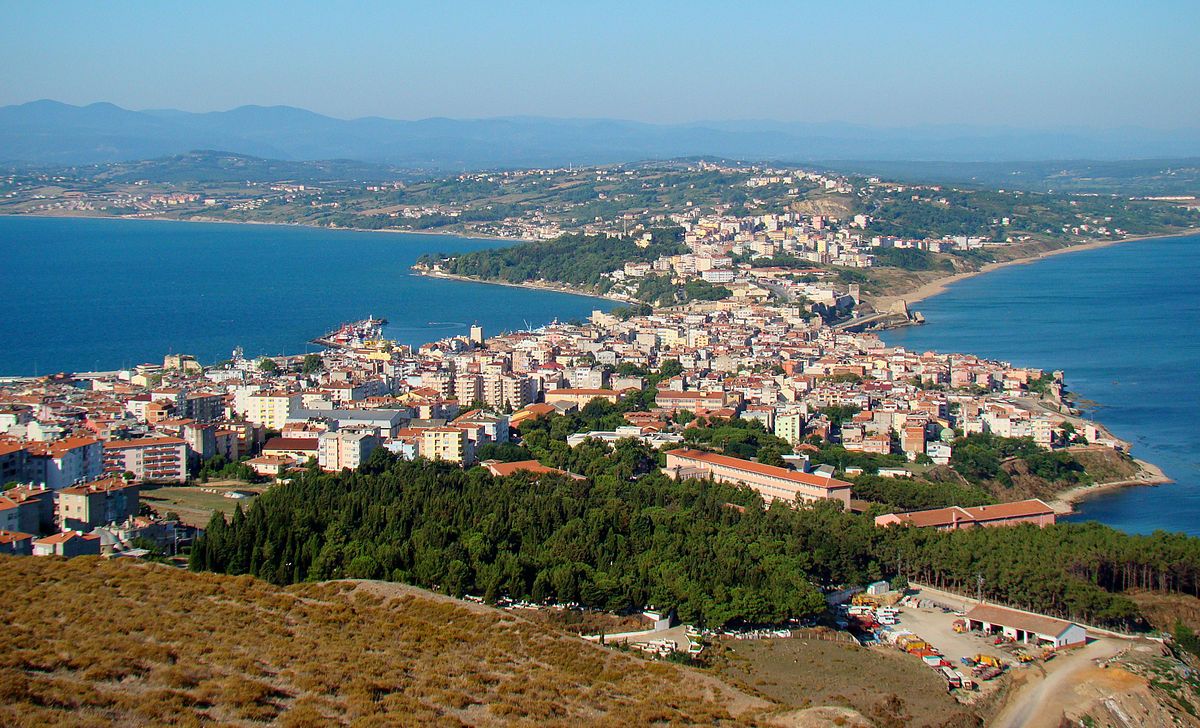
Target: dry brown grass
[(91, 642)]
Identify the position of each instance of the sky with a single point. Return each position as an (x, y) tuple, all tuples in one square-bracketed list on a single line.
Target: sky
[(1019, 64)]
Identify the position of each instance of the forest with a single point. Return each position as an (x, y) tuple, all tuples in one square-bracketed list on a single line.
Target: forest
[(574, 259), (628, 538)]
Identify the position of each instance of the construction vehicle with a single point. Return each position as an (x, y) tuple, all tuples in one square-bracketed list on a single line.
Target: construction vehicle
[(960, 626), (1024, 657), (864, 600), (988, 660)]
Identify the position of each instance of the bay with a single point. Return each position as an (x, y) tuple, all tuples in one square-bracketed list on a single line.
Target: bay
[(84, 294), (1123, 322)]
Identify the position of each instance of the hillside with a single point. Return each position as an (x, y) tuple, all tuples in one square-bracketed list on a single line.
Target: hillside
[(88, 642), (50, 132)]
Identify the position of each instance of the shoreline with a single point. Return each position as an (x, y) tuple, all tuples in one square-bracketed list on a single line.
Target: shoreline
[(529, 285), (939, 285), (1148, 474), (220, 221)]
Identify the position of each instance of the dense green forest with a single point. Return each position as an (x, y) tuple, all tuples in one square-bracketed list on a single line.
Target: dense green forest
[(981, 213), (623, 539), (574, 259)]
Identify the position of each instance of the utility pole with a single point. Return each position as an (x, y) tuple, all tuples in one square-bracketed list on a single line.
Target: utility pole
[(979, 588)]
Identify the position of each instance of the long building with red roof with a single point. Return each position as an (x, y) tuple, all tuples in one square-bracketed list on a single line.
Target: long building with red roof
[(769, 481)]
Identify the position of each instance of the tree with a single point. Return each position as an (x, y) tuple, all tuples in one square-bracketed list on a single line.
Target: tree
[(267, 365), (769, 455), (312, 364)]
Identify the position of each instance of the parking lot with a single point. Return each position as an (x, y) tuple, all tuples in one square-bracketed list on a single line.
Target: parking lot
[(937, 628)]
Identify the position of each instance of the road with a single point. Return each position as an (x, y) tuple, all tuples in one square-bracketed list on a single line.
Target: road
[(1039, 703)]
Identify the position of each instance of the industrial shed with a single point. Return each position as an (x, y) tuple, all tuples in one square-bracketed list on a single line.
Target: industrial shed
[(1026, 627)]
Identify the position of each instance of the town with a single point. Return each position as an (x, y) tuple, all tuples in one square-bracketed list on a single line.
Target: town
[(79, 449)]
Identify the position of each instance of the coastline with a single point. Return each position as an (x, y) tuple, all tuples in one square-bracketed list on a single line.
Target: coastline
[(220, 221), (530, 285), (1149, 474), (939, 285)]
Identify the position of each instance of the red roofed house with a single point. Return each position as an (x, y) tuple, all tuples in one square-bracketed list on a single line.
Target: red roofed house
[(769, 481), (954, 518), (68, 543), (16, 543)]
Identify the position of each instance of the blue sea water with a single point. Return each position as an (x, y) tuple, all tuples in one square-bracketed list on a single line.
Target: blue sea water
[(100, 294), (1123, 322)]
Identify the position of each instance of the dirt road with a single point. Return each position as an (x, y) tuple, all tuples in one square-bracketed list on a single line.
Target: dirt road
[(1040, 701)]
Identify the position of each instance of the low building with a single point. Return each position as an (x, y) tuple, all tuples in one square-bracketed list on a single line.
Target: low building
[(769, 481), (68, 544), (1026, 627), (954, 518), (270, 465), (15, 543)]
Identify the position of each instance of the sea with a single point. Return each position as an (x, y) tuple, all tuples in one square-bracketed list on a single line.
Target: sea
[(94, 294), (1123, 323), (87, 294)]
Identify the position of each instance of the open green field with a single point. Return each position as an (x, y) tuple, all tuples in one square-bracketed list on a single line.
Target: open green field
[(195, 503)]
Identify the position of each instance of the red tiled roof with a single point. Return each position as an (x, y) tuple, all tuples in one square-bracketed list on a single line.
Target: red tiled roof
[(808, 479)]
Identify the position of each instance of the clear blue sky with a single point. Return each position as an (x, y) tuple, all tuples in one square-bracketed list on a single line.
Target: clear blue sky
[(1026, 64)]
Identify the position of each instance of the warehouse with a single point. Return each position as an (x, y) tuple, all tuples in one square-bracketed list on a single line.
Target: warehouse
[(1026, 627)]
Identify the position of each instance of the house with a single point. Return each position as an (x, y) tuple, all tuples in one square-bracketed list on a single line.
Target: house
[(769, 481), (68, 543), (16, 543), (1026, 627), (954, 518), (270, 465)]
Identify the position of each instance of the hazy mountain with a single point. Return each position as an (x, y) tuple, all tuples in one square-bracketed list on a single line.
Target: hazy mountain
[(53, 132)]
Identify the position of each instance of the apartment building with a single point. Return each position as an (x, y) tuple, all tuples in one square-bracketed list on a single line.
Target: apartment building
[(271, 409), (153, 459), (446, 443), (345, 449), (85, 507)]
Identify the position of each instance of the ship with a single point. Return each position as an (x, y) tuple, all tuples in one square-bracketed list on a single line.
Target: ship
[(353, 334)]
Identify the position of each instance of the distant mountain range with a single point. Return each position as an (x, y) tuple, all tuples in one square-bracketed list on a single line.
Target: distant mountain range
[(50, 132)]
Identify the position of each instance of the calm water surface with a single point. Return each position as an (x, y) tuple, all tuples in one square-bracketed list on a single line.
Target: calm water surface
[(1123, 322), (97, 294)]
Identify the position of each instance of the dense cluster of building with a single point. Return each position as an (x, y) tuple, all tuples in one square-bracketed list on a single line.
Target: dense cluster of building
[(79, 446)]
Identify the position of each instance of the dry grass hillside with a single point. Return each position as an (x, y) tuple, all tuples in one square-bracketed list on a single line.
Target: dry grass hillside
[(89, 642)]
